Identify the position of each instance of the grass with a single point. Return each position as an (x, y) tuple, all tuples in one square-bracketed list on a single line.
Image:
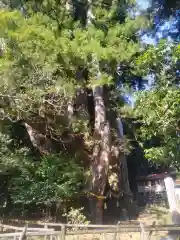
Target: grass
[(158, 214)]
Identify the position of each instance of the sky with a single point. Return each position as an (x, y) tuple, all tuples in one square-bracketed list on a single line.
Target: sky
[(143, 4), (169, 28)]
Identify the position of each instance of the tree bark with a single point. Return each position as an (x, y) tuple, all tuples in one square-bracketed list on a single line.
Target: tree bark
[(101, 153), (123, 160), (124, 173), (38, 140)]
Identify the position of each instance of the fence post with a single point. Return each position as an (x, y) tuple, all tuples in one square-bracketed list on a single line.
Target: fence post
[(63, 232), (46, 227), (103, 236), (23, 235), (143, 234), (151, 232), (15, 235), (116, 234)]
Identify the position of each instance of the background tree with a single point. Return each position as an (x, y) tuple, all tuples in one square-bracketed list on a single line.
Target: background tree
[(158, 107)]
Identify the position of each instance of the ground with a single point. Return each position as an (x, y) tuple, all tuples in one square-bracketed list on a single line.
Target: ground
[(160, 215), (151, 215)]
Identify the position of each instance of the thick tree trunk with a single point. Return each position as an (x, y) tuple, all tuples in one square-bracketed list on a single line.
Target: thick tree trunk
[(101, 153), (124, 173), (123, 160)]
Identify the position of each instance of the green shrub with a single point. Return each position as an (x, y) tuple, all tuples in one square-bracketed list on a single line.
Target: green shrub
[(53, 178), (75, 216)]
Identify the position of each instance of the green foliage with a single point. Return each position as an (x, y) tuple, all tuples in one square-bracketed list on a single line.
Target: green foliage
[(51, 179), (75, 216), (44, 52), (11, 158), (161, 61), (159, 111), (54, 178)]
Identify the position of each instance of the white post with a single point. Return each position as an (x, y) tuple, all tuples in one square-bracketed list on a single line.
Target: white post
[(169, 184)]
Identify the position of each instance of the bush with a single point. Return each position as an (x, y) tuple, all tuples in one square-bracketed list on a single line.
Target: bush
[(53, 178), (75, 216)]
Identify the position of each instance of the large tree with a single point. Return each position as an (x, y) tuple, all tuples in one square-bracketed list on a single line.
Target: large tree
[(60, 67)]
